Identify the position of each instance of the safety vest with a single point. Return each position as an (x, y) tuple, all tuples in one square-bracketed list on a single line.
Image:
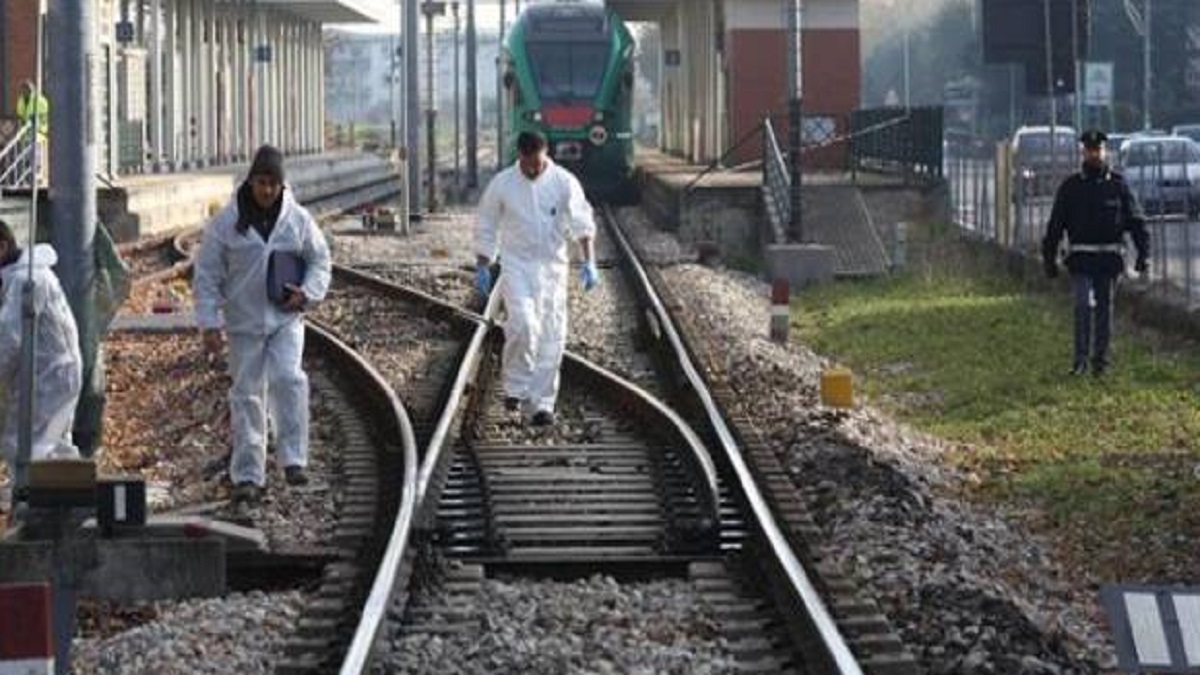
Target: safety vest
[(25, 112)]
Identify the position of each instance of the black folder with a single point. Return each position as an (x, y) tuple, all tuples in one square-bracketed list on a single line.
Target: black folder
[(284, 268)]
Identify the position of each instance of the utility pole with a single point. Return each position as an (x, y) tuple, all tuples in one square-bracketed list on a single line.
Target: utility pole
[(457, 114), (403, 53), (500, 92), (472, 99), (69, 27), (412, 87), (391, 80), (26, 383), (1051, 90), (907, 72), (1075, 62), (1148, 72), (432, 10), (795, 118)]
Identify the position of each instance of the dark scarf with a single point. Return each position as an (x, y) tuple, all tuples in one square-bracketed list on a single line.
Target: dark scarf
[(250, 214)]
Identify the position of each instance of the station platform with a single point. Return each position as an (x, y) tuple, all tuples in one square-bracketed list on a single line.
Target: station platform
[(142, 205), (854, 215)]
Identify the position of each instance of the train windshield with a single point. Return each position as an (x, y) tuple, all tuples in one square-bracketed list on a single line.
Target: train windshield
[(566, 70)]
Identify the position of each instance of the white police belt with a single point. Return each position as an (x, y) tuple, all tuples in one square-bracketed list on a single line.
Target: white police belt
[(1096, 248)]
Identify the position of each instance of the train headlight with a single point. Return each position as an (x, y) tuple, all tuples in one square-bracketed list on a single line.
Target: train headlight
[(598, 135), (598, 117), (534, 115)]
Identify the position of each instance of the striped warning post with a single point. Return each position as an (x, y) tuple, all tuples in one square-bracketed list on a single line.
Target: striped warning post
[(780, 311), (26, 630)]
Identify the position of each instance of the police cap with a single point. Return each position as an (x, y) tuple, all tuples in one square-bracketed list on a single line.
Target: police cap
[(1093, 138)]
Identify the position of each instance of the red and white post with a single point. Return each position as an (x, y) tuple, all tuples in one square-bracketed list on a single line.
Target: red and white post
[(781, 316), (26, 629)]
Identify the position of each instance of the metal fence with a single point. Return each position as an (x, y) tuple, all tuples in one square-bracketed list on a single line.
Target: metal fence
[(995, 195), (904, 141)]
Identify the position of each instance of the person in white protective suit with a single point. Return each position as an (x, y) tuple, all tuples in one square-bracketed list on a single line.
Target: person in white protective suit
[(528, 214), (266, 337), (58, 363)]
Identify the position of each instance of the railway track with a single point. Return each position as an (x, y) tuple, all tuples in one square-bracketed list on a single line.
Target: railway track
[(621, 486)]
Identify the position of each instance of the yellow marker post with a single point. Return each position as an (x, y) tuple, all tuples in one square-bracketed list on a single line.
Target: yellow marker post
[(837, 388)]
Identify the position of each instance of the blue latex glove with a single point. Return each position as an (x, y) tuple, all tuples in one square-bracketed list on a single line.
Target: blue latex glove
[(589, 275), (483, 279)]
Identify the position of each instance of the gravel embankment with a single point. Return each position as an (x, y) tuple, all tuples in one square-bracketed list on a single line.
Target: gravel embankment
[(969, 592), (595, 625)]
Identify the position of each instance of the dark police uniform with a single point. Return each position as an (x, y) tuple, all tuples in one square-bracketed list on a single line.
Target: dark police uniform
[(1095, 209)]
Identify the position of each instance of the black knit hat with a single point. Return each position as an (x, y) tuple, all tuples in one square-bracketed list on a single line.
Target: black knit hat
[(268, 161)]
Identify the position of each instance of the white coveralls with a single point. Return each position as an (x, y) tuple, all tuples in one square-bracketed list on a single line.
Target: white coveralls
[(58, 364), (530, 222), (265, 342)]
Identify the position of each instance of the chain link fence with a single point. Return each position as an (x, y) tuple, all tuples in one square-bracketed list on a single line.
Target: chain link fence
[(998, 192)]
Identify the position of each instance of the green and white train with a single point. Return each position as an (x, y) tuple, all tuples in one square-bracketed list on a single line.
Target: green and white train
[(568, 72)]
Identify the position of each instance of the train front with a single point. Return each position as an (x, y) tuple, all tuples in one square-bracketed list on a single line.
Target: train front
[(568, 74)]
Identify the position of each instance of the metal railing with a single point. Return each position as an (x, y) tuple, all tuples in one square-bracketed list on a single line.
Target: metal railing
[(995, 195), (16, 160), (776, 186)]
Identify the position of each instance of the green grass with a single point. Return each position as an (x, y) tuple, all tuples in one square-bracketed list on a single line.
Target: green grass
[(958, 348)]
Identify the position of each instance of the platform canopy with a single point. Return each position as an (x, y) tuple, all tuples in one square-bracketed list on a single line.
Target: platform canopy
[(333, 11), (641, 10)]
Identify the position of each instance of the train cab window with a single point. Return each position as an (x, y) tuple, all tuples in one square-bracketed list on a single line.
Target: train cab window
[(568, 70)]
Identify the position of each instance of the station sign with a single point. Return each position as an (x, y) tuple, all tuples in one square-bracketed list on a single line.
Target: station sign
[(124, 31)]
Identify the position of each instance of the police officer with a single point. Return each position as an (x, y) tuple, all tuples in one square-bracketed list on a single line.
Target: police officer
[(1095, 208)]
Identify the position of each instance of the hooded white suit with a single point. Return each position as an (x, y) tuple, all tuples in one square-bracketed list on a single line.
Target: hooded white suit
[(529, 223), (58, 364), (265, 342)]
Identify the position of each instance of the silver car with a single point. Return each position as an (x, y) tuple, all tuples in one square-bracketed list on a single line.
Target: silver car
[(1191, 131), (1038, 168), (1164, 173)]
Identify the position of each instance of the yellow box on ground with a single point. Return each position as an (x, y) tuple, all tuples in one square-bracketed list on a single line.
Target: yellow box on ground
[(837, 388)]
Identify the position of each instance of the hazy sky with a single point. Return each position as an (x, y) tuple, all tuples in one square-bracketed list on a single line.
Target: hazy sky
[(487, 13)]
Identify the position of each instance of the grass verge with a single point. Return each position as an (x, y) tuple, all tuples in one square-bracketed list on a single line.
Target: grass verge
[(958, 348)]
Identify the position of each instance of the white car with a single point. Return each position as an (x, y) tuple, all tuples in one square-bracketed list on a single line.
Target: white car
[(1191, 131), (1164, 173), (1039, 168)]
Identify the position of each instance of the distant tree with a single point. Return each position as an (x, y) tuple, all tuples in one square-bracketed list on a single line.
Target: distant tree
[(648, 41), (942, 47), (946, 47)]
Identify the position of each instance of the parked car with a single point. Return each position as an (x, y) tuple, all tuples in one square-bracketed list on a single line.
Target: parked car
[(1164, 172), (1112, 148), (1191, 131), (1038, 166)]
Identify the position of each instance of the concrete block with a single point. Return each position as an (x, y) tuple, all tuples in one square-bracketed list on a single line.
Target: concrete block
[(123, 570), (800, 264)]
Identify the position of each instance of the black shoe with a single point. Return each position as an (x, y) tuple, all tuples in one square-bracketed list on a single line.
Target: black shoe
[(543, 418), (245, 493), (512, 403), (1098, 369), (295, 475), (1079, 369)]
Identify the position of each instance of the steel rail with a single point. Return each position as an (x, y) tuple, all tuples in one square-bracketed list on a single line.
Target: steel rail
[(839, 659), (375, 610), (698, 451), (378, 601)]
